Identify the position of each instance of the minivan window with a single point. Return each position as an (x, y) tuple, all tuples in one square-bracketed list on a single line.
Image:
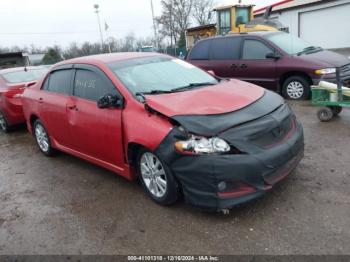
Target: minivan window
[(90, 85), (59, 81), (201, 50), (255, 50), (225, 48), (156, 73), (288, 43)]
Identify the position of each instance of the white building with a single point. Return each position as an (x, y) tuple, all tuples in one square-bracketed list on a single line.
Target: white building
[(324, 23)]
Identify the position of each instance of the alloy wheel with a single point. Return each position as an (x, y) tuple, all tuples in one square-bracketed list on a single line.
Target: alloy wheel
[(42, 138), (295, 90), (153, 174)]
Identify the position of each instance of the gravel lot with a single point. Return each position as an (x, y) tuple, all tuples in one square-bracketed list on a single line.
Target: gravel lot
[(64, 205)]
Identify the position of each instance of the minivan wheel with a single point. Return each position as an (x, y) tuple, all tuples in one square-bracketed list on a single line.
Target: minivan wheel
[(296, 88), (4, 127), (42, 138), (156, 179)]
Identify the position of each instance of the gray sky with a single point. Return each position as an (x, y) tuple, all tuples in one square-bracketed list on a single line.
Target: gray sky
[(48, 22)]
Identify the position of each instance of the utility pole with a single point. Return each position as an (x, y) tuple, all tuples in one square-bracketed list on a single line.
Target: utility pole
[(155, 26), (96, 6)]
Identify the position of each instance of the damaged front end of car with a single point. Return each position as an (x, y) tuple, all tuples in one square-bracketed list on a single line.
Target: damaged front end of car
[(228, 159)]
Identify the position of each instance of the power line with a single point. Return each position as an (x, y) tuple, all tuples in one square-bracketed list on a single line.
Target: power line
[(63, 33)]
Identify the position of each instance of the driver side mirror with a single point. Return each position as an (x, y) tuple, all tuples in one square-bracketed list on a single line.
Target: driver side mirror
[(273, 56), (108, 101)]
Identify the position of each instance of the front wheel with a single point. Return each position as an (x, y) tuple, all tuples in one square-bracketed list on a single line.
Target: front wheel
[(42, 138), (296, 88), (4, 126), (156, 179)]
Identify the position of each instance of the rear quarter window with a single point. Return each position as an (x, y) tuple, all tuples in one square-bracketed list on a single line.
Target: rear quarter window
[(200, 51)]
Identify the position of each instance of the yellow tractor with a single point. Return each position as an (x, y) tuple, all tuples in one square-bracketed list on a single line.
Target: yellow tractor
[(237, 18)]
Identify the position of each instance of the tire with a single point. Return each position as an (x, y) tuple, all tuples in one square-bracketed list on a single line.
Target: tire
[(325, 114), (156, 178), (336, 110), (4, 126), (296, 88), (42, 138)]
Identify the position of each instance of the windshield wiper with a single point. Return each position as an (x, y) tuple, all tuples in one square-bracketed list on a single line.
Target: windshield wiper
[(192, 85), (189, 86), (153, 92), (309, 49)]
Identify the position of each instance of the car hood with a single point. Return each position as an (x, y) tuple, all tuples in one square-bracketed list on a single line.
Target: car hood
[(328, 58), (227, 96)]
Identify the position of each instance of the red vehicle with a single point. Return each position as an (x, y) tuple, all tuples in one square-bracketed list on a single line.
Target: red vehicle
[(174, 126), (12, 84), (274, 60)]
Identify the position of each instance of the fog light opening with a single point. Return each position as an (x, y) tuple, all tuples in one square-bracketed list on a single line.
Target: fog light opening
[(236, 189)]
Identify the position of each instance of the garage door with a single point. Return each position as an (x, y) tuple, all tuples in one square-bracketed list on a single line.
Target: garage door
[(328, 27)]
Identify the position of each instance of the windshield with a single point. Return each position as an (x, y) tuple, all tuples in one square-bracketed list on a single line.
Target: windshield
[(291, 44), (159, 74), (25, 76)]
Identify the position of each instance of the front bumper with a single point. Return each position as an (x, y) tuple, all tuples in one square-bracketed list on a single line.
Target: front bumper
[(258, 170)]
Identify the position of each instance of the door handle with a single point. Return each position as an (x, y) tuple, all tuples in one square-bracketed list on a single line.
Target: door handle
[(41, 100), (244, 66), (233, 66)]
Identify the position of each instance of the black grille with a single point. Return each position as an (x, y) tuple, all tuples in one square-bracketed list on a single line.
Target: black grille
[(345, 69), (275, 135)]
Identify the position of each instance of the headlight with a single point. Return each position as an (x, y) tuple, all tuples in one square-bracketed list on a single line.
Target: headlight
[(202, 145), (325, 71)]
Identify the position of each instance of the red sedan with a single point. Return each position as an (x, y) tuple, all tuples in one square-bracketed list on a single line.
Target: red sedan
[(12, 84), (175, 127)]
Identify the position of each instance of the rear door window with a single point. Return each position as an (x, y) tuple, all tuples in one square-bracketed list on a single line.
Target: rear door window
[(225, 48), (255, 50), (201, 50), (91, 85), (59, 81)]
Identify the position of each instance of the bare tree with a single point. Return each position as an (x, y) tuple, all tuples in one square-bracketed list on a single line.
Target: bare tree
[(175, 18), (202, 11)]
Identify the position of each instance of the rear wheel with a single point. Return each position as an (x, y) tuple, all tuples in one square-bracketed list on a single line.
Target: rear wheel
[(296, 88), (156, 179), (4, 126), (325, 114), (42, 138)]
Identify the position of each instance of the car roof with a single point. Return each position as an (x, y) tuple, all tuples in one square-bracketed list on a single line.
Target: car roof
[(257, 33), (18, 69), (109, 58)]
